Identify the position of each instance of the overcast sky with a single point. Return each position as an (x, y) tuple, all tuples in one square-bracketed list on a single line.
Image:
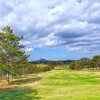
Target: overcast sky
[(54, 29)]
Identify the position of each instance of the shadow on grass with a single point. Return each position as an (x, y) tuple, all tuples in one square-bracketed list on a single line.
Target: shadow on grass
[(19, 93), (25, 81)]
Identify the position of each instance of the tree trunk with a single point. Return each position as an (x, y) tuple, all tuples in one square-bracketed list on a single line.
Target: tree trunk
[(8, 77)]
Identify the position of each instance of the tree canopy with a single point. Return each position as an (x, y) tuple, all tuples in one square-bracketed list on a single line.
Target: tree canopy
[(12, 56)]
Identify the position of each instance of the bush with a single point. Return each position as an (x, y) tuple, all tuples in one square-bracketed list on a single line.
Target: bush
[(42, 67), (78, 65)]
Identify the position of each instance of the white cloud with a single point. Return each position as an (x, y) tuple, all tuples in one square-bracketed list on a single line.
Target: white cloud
[(74, 48), (25, 42), (69, 23), (29, 49)]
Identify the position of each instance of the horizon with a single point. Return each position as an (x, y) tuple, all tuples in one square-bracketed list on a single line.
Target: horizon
[(60, 59), (56, 29)]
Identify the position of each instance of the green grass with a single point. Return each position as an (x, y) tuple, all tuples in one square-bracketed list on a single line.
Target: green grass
[(55, 85)]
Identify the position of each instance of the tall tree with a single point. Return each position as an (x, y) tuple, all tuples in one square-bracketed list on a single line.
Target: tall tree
[(12, 56)]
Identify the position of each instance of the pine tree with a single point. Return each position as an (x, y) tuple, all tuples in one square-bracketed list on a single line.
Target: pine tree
[(12, 56)]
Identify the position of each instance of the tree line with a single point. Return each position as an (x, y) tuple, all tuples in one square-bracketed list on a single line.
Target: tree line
[(93, 63)]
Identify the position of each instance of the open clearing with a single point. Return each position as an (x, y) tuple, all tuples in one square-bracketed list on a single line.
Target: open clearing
[(54, 85)]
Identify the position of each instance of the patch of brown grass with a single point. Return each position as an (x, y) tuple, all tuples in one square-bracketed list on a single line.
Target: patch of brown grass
[(5, 85)]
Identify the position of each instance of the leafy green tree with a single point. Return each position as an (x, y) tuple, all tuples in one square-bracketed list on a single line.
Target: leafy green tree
[(72, 66), (12, 56), (78, 65), (91, 64), (96, 60)]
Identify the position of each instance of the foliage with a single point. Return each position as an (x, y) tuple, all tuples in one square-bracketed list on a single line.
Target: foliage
[(78, 65), (42, 67), (94, 63), (12, 58), (96, 60)]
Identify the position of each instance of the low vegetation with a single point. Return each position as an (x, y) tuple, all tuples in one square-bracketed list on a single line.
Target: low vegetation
[(55, 85), (93, 63)]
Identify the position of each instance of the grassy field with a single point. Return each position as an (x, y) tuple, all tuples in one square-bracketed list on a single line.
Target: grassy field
[(54, 85)]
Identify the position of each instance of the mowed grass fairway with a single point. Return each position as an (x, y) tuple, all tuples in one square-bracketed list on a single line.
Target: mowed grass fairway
[(55, 85)]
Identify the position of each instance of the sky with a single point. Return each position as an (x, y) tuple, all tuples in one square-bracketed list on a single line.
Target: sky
[(54, 29)]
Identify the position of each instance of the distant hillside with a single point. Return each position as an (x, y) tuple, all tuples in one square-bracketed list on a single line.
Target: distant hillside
[(54, 61), (85, 58), (42, 60), (64, 61)]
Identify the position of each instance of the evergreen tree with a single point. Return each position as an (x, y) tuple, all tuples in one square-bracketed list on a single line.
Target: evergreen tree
[(12, 56)]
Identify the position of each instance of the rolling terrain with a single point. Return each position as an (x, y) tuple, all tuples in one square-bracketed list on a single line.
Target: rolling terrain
[(54, 85)]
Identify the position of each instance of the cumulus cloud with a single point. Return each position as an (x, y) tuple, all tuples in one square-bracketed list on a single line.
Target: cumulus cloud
[(74, 24), (29, 49)]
